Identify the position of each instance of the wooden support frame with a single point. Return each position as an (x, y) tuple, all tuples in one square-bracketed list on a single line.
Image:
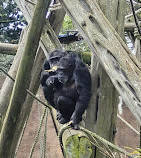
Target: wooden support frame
[(122, 67), (48, 43), (98, 41), (7, 144), (6, 48)]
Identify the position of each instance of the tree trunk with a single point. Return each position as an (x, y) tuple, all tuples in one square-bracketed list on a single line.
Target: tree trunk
[(7, 144)]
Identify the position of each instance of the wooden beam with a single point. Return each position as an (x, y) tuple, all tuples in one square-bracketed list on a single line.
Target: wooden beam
[(8, 84), (122, 67), (48, 44), (75, 143), (7, 142), (6, 48), (130, 15), (129, 26)]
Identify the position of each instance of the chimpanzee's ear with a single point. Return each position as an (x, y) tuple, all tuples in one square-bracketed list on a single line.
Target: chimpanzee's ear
[(46, 65)]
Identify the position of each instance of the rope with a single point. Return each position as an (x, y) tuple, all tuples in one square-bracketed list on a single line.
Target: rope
[(135, 18), (131, 127), (21, 137), (51, 8), (93, 135), (45, 135), (55, 7), (38, 133), (7, 74), (41, 140)]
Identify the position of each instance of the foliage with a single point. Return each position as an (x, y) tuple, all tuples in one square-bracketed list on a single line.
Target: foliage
[(67, 25), (11, 22), (5, 62)]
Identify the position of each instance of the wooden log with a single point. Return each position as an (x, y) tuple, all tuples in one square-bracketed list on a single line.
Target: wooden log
[(129, 26), (130, 15), (8, 84), (6, 48), (75, 143), (7, 144), (122, 67)]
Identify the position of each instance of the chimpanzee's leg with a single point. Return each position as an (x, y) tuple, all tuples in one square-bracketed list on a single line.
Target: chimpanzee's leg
[(49, 95), (66, 108)]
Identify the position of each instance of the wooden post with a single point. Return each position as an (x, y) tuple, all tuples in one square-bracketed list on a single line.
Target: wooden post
[(76, 144), (7, 144), (103, 105), (6, 48), (60, 13), (138, 55), (35, 81), (121, 66), (8, 84)]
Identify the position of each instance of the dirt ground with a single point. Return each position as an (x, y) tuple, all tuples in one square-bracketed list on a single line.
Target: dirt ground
[(125, 137)]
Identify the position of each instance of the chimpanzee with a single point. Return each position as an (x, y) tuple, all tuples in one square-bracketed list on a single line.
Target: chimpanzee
[(68, 87), (49, 78)]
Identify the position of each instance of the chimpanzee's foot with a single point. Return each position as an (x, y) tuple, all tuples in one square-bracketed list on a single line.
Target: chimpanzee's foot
[(63, 120), (59, 115)]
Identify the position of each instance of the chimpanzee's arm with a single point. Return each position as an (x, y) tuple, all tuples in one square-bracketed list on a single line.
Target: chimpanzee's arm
[(44, 75), (83, 84)]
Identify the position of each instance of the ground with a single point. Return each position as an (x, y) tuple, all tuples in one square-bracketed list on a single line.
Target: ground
[(125, 137)]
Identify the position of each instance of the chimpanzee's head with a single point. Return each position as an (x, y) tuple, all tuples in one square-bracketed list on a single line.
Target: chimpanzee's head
[(65, 69), (55, 56)]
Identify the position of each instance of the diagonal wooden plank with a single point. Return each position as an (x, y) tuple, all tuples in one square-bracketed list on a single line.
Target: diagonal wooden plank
[(122, 67), (46, 43), (23, 78)]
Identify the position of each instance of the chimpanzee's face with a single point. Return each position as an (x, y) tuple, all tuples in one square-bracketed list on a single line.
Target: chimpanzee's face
[(54, 62), (65, 69)]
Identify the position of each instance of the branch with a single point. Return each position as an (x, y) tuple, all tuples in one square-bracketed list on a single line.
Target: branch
[(135, 3), (8, 21), (6, 48), (136, 12)]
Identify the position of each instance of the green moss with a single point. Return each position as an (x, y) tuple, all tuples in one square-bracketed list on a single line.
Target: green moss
[(14, 119), (1, 121), (77, 147), (86, 57)]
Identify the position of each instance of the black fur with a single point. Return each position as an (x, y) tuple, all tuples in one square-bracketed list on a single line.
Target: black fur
[(68, 89)]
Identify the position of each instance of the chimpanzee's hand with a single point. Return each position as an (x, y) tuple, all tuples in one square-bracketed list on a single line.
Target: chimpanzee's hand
[(50, 81), (43, 78), (75, 120)]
